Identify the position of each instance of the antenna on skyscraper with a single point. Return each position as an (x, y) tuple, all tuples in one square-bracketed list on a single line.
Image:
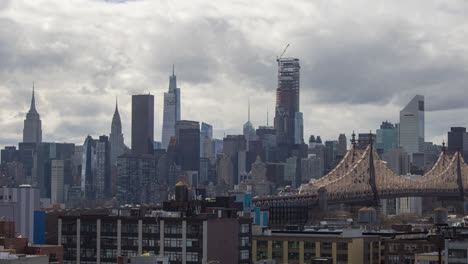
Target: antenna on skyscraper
[(267, 115), (248, 115)]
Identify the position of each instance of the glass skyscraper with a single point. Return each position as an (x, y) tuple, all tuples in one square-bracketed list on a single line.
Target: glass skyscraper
[(171, 111), (142, 124), (412, 126)]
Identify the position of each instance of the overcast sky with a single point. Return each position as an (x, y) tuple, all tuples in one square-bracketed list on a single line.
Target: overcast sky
[(362, 61)]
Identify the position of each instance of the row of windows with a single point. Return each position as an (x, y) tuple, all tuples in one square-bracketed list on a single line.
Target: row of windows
[(307, 245)]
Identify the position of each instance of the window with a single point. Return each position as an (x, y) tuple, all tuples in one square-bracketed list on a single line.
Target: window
[(293, 244), (192, 242), (309, 256), (262, 255), (411, 248), (173, 229), (309, 245), (148, 243), (457, 253), (393, 248), (277, 255), (192, 256), (262, 243), (109, 227), (326, 255), (150, 229), (130, 228), (342, 246), (342, 257), (326, 245), (244, 254), (277, 244), (293, 255), (245, 242), (173, 256), (245, 228), (172, 242)]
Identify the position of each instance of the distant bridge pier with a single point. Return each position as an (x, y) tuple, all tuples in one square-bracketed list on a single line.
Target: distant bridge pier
[(323, 199)]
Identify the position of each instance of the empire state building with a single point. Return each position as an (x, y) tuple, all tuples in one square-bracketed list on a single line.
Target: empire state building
[(32, 132)]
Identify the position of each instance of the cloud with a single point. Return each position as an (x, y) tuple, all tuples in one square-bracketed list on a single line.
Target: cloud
[(358, 67)]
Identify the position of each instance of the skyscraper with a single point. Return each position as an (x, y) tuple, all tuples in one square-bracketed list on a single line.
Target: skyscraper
[(188, 145), (455, 141), (142, 124), (206, 134), (412, 126), (32, 132), (116, 138), (249, 130), (341, 147), (171, 110), (287, 104), (386, 137)]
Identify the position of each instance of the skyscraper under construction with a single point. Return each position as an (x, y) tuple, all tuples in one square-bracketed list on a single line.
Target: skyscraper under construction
[(288, 119)]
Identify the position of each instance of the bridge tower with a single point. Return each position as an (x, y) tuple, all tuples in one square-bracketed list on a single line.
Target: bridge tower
[(372, 179)]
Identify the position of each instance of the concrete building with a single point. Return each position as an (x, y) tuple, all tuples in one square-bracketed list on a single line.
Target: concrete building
[(19, 204), (135, 176), (312, 168), (43, 157), (412, 126), (171, 112), (456, 251), (32, 132), (397, 160), (232, 145), (142, 124), (409, 205), (341, 147), (57, 181), (347, 246), (131, 232)]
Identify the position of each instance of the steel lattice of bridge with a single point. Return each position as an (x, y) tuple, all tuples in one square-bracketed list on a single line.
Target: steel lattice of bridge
[(362, 176)]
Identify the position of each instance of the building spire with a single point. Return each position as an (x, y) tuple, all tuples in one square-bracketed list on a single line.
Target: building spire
[(173, 71), (33, 102), (116, 104)]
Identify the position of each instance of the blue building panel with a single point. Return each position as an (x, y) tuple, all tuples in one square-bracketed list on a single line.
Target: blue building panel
[(39, 227)]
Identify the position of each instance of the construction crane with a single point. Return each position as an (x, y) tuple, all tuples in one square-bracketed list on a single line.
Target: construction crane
[(278, 58)]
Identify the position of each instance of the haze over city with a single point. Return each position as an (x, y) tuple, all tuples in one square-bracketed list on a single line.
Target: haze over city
[(361, 62)]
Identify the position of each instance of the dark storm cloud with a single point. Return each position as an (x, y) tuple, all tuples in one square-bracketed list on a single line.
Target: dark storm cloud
[(358, 67)]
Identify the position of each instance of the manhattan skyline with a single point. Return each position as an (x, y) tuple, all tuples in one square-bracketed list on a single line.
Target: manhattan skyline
[(347, 82)]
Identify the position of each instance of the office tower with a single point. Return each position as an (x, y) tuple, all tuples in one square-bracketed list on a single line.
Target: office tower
[(95, 172), (217, 146), (116, 138), (341, 146), (57, 181), (249, 130), (412, 126), (312, 168), (9, 154), (267, 135), (232, 145), (204, 169), (206, 133), (365, 138), (102, 180), (78, 163), (88, 169), (386, 137), (188, 145), (142, 124), (298, 128), (207, 148), (46, 152), (287, 103), (171, 110), (135, 175), (330, 155), (26, 157), (397, 160), (455, 142), (19, 204), (32, 132), (292, 172)]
